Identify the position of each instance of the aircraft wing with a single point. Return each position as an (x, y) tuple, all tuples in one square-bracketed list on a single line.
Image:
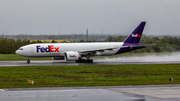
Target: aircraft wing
[(98, 50), (111, 48)]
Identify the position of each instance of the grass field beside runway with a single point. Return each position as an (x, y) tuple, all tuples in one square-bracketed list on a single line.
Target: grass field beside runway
[(89, 75)]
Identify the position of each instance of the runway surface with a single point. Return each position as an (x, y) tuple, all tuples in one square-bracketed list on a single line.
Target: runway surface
[(62, 63), (166, 58), (102, 93)]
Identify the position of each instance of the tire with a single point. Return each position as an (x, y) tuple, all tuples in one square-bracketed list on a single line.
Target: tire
[(79, 61), (28, 61), (84, 61), (91, 61)]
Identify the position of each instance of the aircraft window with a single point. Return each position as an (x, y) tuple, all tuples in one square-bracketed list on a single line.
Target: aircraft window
[(20, 48)]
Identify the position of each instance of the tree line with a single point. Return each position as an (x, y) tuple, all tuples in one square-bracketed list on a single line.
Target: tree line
[(9, 46), (165, 44)]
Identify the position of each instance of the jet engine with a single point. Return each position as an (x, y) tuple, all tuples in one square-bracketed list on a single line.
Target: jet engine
[(72, 56), (58, 58)]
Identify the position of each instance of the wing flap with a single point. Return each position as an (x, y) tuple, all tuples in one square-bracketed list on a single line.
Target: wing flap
[(140, 45)]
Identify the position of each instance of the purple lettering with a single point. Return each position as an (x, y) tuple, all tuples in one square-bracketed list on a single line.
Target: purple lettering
[(42, 49), (46, 49), (38, 48)]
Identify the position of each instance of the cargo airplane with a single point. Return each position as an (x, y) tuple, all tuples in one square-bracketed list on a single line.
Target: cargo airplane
[(81, 52)]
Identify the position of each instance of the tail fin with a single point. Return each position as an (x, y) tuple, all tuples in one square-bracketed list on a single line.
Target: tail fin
[(135, 36)]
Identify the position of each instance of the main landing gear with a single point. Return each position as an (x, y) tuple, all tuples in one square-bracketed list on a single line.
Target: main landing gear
[(85, 60)]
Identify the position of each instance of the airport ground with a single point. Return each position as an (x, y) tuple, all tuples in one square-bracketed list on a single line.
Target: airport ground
[(129, 69), (105, 80)]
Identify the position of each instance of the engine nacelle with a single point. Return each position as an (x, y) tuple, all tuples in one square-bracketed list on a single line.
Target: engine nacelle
[(58, 58), (72, 56)]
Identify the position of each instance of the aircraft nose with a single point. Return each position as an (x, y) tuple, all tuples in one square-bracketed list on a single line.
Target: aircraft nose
[(18, 52)]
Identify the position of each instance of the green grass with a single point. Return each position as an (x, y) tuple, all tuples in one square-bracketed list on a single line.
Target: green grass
[(89, 75)]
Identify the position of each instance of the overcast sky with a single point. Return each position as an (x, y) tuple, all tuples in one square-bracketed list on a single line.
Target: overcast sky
[(74, 16)]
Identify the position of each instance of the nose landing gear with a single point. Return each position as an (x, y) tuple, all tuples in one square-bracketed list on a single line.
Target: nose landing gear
[(28, 60)]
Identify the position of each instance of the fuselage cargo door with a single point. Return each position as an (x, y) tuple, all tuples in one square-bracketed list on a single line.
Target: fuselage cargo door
[(31, 51)]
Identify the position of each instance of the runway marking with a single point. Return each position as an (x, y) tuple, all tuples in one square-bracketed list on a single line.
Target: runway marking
[(2, 90)]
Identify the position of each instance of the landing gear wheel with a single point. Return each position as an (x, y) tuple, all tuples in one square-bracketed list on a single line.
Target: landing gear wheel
[(28, 61), (91, 61), (87, 61), (84, 61), (78, 61)]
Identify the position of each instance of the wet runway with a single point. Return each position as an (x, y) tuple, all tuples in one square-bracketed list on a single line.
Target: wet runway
[(102, 93), (62, 63), (166, 58)]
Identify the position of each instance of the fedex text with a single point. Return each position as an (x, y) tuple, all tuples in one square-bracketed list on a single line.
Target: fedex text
[(50, 48), (136, 35), (74, 56)]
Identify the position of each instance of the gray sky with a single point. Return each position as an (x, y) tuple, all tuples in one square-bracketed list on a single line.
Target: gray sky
[(74, 16)]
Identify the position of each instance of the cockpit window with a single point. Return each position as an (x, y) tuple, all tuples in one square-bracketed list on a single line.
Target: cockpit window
[(20, 48)]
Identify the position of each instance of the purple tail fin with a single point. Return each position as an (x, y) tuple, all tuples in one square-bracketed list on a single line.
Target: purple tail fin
[(135, 36)]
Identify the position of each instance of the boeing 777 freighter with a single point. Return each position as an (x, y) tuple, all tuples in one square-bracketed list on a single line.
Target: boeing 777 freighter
[(76, 51)]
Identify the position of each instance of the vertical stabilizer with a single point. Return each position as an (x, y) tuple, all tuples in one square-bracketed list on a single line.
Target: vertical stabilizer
[(135, 36)]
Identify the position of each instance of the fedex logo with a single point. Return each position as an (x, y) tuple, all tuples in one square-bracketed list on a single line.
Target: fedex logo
[(74, 56), (136, 35), (50, 48)]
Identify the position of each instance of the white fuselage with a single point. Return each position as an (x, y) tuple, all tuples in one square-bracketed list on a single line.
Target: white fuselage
[(58, 49)]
